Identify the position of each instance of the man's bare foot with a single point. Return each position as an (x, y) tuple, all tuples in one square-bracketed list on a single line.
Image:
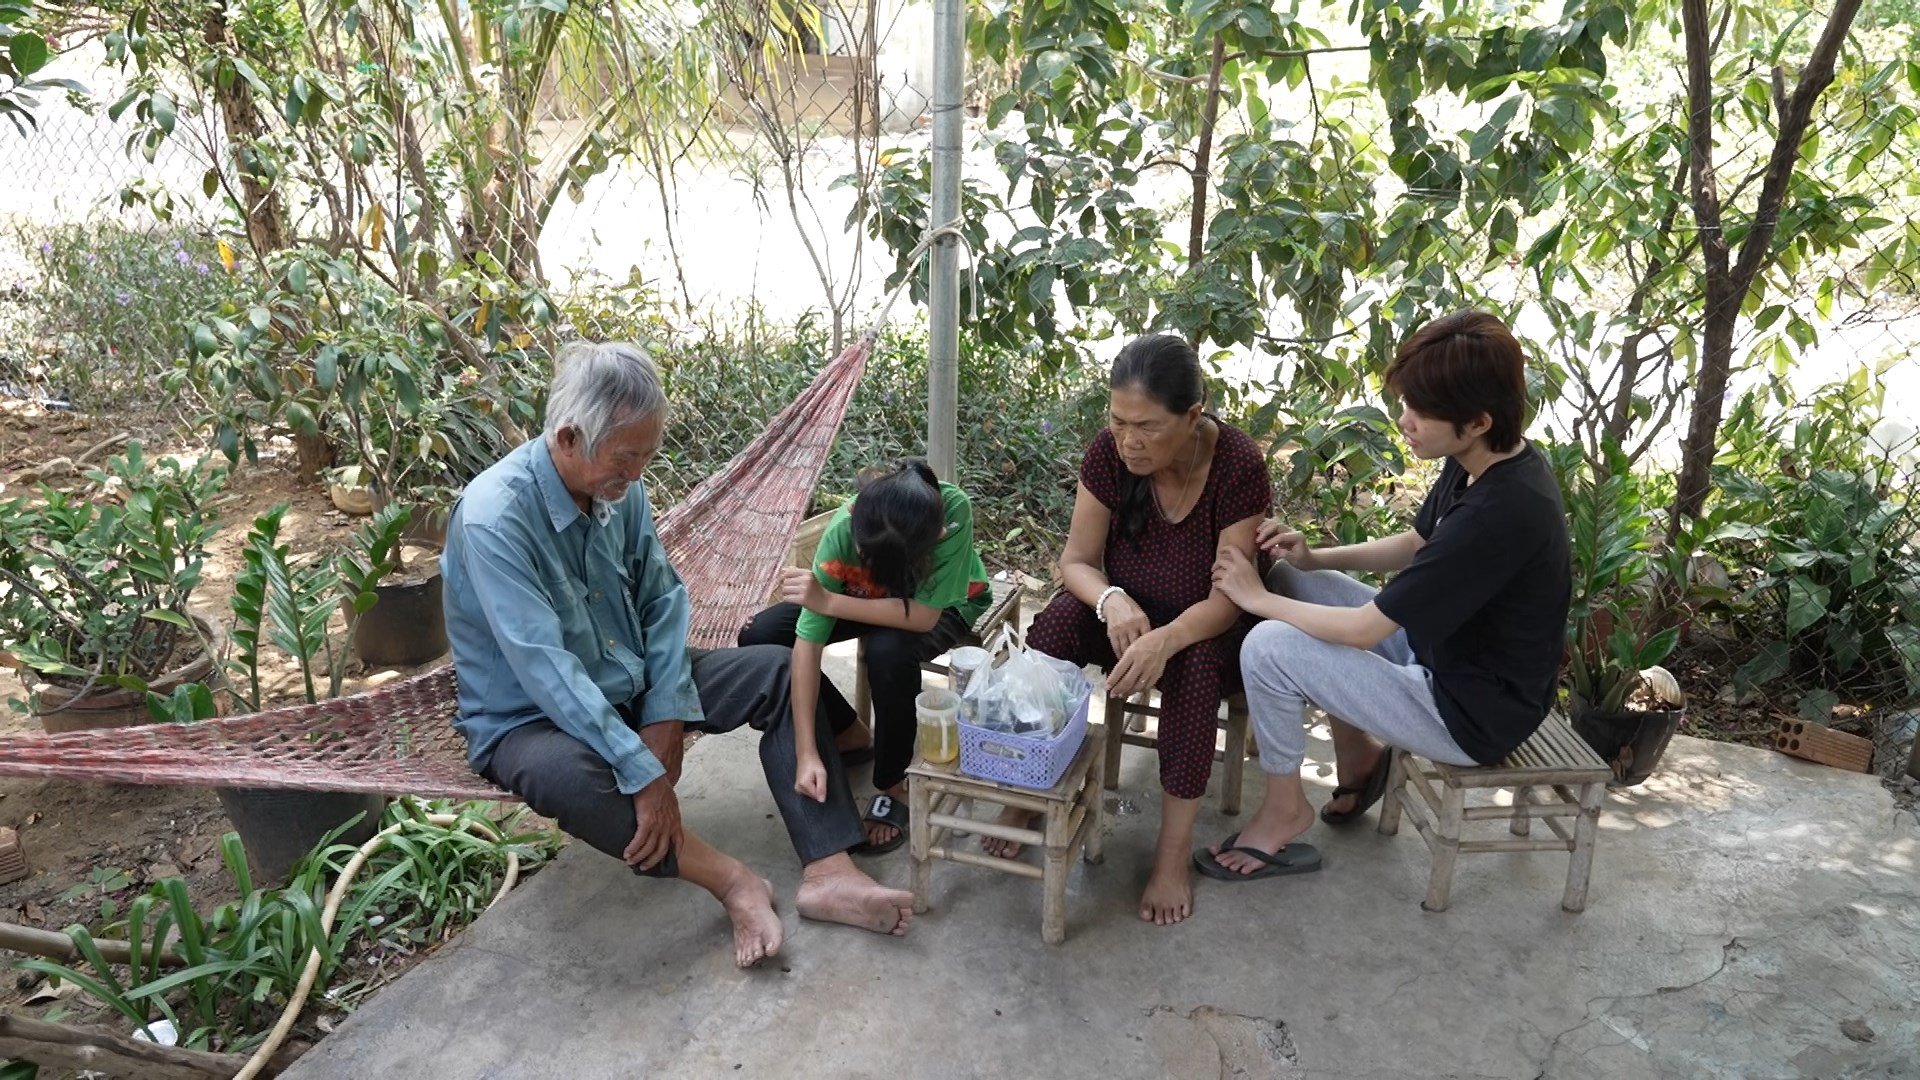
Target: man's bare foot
[(756, 928), (1007, 849), (1168, 897), (1363, 772), (834, 890), (1262, 835)]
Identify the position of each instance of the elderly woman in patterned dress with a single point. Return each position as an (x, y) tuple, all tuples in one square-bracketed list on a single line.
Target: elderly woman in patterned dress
[(1162, 490)]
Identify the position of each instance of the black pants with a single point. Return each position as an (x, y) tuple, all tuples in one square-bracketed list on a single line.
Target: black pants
[(562, 778), (893, 675)]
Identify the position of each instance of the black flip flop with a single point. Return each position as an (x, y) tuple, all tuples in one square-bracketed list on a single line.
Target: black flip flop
[(1371, 792), (888, 811), (1295, 858)]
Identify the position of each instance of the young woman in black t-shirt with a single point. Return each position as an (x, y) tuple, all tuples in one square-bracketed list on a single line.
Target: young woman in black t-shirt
[(1456, 657)]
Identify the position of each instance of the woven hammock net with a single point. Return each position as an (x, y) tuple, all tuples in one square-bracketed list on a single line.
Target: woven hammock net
[(728, 538)]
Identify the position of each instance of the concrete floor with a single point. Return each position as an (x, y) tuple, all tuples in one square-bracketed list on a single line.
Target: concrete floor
[(1751, 916)]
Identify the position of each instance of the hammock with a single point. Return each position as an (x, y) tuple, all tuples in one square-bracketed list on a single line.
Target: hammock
[(728, 538)]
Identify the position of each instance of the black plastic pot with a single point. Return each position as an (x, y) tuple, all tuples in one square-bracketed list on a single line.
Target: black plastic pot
[(278, 827), (406, 627), (1632, 743)]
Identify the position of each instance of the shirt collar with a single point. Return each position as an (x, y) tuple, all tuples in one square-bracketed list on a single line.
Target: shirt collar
[(560, 505)]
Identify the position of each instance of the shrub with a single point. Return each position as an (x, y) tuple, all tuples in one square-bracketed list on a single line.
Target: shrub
[(1823, 515), (112, 300)]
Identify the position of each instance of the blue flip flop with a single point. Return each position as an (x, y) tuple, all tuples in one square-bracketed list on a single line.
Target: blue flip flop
[(1295, 858)]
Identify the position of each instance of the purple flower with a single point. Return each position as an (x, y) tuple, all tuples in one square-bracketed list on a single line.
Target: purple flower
[(46, 248), (200, 268), (1046, 427), (121, 297), (180, 256)]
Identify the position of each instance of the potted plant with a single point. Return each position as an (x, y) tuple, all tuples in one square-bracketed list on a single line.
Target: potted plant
[(289, 604), (94, 590), (1620, 629)]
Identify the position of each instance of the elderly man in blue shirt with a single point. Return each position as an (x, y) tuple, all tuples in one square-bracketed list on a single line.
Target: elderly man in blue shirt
[(569, 633)]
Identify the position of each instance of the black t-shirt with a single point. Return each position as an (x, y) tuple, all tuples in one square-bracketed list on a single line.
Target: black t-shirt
[(1484, 603)]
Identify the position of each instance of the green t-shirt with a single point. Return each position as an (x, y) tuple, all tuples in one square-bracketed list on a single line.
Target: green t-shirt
[(957, 580)]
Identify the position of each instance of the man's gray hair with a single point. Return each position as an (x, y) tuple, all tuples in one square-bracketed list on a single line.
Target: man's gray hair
[(599, 386)]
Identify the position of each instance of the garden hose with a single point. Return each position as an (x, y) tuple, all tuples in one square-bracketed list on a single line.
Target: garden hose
[(339, 892)]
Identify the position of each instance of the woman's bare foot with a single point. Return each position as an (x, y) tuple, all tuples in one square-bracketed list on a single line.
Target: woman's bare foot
[(1007, 849), (1262, 834), (834, 890), (1168, 897), (756, 928)]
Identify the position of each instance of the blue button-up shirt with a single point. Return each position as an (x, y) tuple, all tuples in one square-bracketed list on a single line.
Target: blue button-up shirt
[(560, 614)]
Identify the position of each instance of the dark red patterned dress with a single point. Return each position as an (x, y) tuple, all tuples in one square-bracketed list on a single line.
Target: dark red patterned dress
[(1166, 571)]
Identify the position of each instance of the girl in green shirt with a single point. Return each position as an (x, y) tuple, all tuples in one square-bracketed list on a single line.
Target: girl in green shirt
[(897, 569)]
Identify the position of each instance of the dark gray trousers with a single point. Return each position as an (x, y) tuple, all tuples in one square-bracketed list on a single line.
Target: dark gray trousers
[(562, 778)]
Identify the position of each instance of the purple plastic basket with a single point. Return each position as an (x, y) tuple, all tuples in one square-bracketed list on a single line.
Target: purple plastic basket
[(1028, 761)]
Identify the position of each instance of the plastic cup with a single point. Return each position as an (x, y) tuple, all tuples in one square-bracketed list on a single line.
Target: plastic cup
[(938, 730), (964, 663)]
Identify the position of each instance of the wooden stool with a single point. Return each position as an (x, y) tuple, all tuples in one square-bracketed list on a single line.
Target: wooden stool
[(1071, 818), (1554, 775), (1004, 611), (1234, 755)]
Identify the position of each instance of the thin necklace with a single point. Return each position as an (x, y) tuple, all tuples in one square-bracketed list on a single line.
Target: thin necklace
[(1192, 459)]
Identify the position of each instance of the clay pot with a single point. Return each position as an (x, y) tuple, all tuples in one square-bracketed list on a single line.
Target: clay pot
[(113, 707)]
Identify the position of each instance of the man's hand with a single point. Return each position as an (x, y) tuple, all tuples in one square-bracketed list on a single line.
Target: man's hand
[(1141, 666), (1126, 623), (810, 777), (798, 586), (1283, 543), (657, 810), (1235, 575), (668, 741)]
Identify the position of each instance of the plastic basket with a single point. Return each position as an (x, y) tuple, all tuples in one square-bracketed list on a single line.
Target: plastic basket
[(1029, 761)]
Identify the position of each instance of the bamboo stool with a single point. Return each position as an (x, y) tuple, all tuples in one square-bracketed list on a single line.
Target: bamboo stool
[(1234, 755), (1071, 818), (1554, 775)]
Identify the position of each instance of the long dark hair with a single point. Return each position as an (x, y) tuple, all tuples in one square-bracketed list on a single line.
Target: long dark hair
[(1167, 369), (897, 520)]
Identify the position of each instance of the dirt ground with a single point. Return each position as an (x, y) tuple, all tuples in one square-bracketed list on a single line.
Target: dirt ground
[(87, 843)]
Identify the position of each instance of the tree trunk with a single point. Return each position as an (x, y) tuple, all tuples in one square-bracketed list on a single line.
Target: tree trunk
[(1727, 285), (1203, 157), (313, 455), (266, 221)]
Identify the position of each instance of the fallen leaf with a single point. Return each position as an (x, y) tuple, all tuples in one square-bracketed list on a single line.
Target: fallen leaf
[(52, 990), (32, 819)]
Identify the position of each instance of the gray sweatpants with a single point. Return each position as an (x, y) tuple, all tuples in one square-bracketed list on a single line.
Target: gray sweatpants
[(1383, 691)]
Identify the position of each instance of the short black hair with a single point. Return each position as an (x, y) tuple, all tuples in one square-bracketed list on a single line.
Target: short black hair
[(1462, 365)]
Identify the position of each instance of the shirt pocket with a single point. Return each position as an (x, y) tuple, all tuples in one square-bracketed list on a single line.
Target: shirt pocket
[(570, 605)]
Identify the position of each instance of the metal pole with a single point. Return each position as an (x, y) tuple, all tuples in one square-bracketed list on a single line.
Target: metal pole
[(943, 299)]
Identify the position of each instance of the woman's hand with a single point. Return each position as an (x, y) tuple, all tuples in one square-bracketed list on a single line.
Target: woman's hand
[(798, 586), (1141, 666), (1283, 543), (1126, 623), (810, 776), (1235, 576)]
